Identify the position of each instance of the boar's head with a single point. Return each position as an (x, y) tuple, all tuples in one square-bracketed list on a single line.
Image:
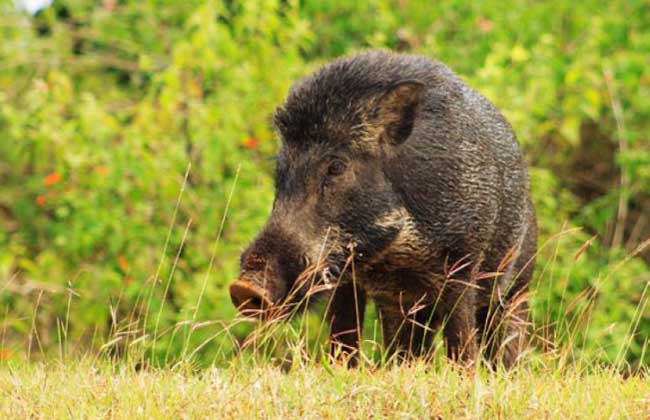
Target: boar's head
[(342, 129)]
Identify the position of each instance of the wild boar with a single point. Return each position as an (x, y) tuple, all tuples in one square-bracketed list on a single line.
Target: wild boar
[(398, 182)]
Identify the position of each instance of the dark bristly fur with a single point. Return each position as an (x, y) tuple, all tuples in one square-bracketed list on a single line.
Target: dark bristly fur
[(392, 162)]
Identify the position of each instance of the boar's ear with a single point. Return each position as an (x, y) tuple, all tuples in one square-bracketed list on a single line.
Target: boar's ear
[(396, 109)]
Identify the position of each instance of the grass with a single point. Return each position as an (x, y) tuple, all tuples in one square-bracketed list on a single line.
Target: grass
[(556, 383), (551, 383), (245, 390)]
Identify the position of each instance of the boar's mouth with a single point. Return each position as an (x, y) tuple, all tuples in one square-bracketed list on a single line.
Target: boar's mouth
[(250, 299)]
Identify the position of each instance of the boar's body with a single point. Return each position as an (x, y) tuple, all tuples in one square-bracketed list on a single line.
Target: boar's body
[(394, 160)]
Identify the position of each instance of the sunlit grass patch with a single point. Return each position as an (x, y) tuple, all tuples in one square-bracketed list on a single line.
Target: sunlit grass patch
[(243, 390)]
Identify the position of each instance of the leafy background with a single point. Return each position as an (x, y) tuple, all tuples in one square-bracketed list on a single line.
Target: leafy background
[(128, 128)]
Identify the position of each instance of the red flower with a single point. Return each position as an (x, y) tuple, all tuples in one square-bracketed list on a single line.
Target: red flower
[(52, 178), (5, 353), (251, 143), (101, 169), (485, 25), (109, 5), (122, 263), (40, 200)]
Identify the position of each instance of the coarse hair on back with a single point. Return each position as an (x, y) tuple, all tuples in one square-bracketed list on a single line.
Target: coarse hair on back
[(327, 105)]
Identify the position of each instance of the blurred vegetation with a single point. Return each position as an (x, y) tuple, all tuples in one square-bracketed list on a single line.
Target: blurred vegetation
[(126, 124)]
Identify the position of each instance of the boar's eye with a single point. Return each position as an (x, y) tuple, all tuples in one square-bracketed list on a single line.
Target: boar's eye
[(336, 167)]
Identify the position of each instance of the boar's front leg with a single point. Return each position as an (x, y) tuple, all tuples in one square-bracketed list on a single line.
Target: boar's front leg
[(408, 330), (346, 312)]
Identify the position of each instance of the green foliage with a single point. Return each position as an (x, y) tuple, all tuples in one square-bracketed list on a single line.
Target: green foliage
[(104, 107)]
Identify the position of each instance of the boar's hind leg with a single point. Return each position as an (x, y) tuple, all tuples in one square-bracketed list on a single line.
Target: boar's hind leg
[(459, 325), (506, 324), (507, 340), (346, 312), (505, 334)]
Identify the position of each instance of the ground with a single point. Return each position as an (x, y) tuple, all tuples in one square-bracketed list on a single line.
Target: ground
[(91, 390)]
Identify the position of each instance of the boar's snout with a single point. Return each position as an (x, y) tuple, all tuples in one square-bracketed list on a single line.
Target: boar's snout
[(252, 292), (249, 298), (269, 269)]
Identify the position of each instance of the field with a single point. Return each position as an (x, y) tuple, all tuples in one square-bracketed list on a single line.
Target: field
[(136, 163), (83, 390)]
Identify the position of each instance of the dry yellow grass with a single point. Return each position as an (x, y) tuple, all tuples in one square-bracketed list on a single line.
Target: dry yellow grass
[(81, 390)]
